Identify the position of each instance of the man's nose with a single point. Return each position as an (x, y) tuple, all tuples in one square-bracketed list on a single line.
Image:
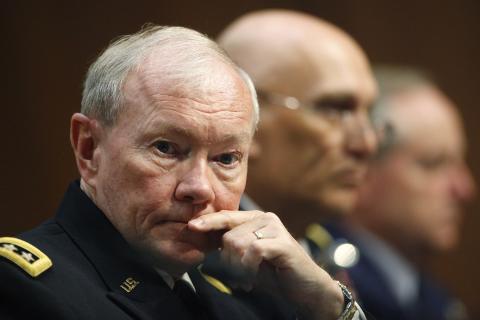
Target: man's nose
[(463, 184), (360, 137), (195, 185)]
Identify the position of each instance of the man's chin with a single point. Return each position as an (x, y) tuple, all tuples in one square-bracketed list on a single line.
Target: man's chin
[(190, 258), (339, 201), (447, 241)]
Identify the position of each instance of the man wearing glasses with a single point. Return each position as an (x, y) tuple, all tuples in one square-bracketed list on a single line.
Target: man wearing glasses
[(315, 88)]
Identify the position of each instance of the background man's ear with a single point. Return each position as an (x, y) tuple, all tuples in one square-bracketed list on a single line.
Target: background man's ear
[(255, 150), (84, 141)]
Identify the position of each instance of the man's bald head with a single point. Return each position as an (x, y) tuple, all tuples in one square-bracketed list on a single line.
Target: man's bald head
[(314, 157), (278, 48)]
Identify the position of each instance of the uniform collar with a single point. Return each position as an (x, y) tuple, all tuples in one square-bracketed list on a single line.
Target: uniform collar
[(120, 267), (170, 281)]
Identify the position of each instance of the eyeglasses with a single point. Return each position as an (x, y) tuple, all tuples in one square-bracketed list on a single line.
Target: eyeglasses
[(340, 109), (335, 108)]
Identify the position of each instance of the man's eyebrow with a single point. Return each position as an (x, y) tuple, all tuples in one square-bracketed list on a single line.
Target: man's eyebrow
[(164, 127), (343, 101), (341, 96), (167, 128)]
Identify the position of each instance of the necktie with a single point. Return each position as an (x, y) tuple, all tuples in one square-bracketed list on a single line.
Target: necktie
[(191, 300)]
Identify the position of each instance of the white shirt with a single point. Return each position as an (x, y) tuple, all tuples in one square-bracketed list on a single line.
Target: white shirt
[(170, 281)]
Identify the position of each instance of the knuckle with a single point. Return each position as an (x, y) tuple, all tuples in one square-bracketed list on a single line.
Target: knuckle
[(272, 217), (230, 241), (256, 213), (257, 248), (227, 238)]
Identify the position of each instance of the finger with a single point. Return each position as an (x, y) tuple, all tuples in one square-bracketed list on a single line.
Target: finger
[(252, 259), (240, 237), (257, 252), (240, 276), (256, 261), (243, 278), (225, 257), (280, 252), (236, 241), (222, 220), (266, 248)]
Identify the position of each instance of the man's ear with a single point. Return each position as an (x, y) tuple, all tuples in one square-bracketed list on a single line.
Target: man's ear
[(84, 140), (255, 150), (266, 114)]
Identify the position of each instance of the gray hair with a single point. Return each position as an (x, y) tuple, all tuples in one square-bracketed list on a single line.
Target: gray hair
[(188, 58), (393, 80)]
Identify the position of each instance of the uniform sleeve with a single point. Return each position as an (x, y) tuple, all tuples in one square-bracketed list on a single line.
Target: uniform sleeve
[(24, 297)]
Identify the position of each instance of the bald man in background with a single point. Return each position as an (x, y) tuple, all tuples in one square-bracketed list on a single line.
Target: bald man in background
[(409, 207), (310, 151), (315, 88)]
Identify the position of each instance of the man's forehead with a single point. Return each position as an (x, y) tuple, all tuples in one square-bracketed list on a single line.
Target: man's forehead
[(221, 83), (330, 71), (177, 109), (424, 120), (222, 89), (423, 105), (345, 73)]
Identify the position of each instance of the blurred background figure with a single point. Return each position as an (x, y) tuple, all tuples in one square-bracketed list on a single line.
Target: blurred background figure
[(315, 89), (409, 207)]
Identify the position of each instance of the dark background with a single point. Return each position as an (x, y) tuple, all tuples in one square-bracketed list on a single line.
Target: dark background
[(48, 45)]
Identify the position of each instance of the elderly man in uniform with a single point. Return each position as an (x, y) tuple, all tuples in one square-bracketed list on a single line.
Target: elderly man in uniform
[(315, 89), (409, 207), (162, 147)]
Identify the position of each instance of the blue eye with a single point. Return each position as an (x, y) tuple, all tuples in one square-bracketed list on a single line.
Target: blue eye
[(165, 147), (228, 159)]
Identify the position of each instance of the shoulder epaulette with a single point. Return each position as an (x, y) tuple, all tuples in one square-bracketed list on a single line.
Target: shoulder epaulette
[(217, 284), (319, 235), (26, 256)]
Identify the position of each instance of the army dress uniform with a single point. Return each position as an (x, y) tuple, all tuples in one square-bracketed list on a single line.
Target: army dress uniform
[(78, 266), (371, 281)]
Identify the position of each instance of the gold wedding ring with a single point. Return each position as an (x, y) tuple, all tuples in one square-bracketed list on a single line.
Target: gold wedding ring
[(258, 234)]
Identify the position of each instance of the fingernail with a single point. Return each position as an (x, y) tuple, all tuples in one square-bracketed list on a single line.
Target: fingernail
[(197, 222)]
